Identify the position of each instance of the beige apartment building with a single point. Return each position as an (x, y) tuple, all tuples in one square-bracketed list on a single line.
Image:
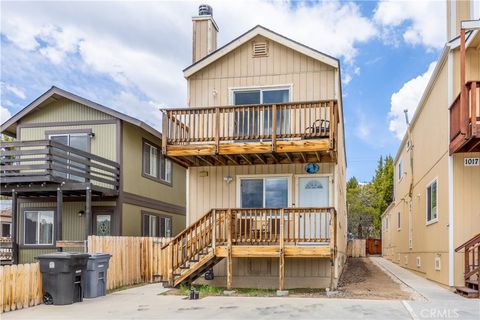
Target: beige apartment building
[(262, 138), (433, 225)]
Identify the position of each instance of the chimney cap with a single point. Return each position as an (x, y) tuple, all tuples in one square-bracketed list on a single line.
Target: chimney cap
[(205, 10)]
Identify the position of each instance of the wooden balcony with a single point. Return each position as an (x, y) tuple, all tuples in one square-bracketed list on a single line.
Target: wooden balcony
[(246, 233), (42, 166), (296, 132), (465, 120)]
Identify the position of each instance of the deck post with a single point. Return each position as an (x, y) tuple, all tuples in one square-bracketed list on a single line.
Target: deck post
[(59, 216), (333, 240), (463, 98), (281, 263), (473, 106), (14, 227), (88, 212), (214, 229), (274, 128), (217, 129), (229, 249), (164, 131)]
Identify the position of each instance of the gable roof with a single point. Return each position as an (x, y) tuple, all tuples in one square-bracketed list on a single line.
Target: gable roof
[(249, 35), (54, 94)]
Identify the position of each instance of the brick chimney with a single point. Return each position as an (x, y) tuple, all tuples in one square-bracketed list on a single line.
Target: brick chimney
[(204, 33)]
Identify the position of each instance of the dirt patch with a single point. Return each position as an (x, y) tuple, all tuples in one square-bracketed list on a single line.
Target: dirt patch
[(362, 279)]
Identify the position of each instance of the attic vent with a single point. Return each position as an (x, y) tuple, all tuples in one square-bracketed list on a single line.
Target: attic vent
[(260, 49)]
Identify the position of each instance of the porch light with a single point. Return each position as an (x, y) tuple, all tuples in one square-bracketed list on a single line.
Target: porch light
[(81, 213), (228, 179)]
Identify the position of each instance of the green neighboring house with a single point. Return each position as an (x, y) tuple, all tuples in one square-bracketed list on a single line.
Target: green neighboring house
[(77, 168)]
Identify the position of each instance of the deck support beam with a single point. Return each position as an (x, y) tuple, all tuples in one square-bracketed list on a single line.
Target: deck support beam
[(88, 212), (281, 263), (229, 250), (14, 228), (59, 216)]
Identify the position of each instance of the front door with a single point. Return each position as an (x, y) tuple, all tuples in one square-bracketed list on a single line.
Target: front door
[(102, 221), (313, 192)]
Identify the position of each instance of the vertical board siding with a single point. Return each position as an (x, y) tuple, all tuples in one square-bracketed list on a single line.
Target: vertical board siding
[(64, 110), (310, 79), (103, 144)]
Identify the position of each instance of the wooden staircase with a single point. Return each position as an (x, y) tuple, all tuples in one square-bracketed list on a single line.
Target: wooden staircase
[(472, 268), (230, 233)]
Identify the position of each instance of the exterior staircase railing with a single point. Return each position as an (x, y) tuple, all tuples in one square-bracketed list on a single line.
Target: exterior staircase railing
[(471, 273)]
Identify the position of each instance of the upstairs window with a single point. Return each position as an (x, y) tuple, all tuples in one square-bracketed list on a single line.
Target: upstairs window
[(432, 202), (400, 170), (155, 165)]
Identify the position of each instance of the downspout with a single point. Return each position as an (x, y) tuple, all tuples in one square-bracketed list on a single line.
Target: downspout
[(451, 254)]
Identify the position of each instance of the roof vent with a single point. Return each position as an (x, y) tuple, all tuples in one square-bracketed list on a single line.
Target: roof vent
[(205, 10), (260, 49)]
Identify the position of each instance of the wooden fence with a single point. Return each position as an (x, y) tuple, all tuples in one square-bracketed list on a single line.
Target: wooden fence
[(134, 259), (356, 248), (20, 286)]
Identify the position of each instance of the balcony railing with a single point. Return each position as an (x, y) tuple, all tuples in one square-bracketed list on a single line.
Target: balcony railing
[(213, 130), (465, 119), (47, 161)]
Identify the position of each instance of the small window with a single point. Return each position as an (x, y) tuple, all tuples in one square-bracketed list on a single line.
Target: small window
[(432, 202), (156, 226), (400, 170), (155, 164), (38, 227), (6, 227), (399, 222)]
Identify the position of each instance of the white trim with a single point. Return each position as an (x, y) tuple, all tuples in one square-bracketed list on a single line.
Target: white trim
[(238, 179), (38, 226), (471, 24), (475, 10), (209, 36), (259, 30), (451, 207), (320, 175), (288, 87), (200, 18), (453, 18), (432, 221)]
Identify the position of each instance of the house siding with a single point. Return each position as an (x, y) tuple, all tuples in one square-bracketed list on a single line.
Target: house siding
[(310, 79)]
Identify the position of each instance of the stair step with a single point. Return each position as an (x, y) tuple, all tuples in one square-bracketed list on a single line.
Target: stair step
[(177, 274), (467, 292), (184, 267), (194, 260), (471, 282)]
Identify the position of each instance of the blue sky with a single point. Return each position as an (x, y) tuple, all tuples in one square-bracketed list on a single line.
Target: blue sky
[(129, 56)]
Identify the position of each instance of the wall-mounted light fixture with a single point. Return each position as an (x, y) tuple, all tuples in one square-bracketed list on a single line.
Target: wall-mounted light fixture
[(81, 213), (228, 179), (91, 135)]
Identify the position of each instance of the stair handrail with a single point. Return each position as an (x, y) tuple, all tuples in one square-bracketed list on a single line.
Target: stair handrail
[(469, 243)]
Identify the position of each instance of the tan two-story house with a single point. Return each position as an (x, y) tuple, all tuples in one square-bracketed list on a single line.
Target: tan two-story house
[(262, 138), (78, 168), (433, 225)]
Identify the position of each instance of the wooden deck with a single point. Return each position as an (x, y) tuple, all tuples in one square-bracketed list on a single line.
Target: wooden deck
[(249, 233), (465, 120), (41, 166), (235, 135)]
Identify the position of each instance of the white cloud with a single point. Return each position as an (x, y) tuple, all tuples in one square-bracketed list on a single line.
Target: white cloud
[(407, 98), (4, 114), (418, 22), (143, 46), (18, 92)]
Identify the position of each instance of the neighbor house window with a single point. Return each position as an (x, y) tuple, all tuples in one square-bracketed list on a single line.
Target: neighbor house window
[(400, 169), (399, 221), (432, 202), (269, 192), (156, 226), (259, 122), (6, 229), (38, 227), (155, 164)]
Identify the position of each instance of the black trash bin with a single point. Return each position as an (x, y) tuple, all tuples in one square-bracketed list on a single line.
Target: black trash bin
[(96, 275), (63, 277)]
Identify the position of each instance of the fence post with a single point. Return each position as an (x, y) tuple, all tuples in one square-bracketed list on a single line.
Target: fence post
[(170, 265)]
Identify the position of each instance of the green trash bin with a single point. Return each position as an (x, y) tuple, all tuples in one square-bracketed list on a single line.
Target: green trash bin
[(63, 277), (96, 275)]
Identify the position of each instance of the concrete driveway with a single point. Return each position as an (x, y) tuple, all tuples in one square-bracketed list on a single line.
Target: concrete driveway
[(146, 303)]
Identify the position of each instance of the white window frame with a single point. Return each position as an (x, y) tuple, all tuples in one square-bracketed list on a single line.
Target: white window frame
[(38, 228), (400, 169), (154, 163), (263, 176), (157, 175), (232, 90), (434, 220)]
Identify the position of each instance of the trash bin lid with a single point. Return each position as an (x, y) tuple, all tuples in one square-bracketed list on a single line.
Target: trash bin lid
[(99, 255), (63, 255)]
